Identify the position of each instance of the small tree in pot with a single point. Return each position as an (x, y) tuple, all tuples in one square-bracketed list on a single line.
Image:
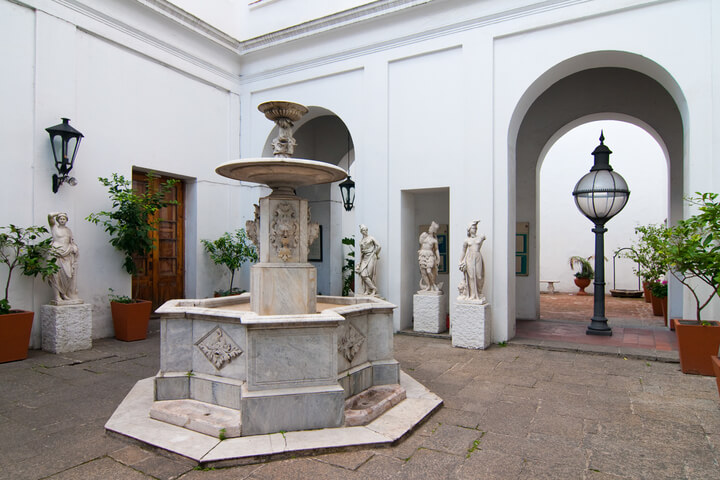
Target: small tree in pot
[(129, 224), (27, 250), (231, 251), (691, 249)]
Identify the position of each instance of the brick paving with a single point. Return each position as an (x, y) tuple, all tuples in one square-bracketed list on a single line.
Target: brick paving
[(564, 319), (509, 412)]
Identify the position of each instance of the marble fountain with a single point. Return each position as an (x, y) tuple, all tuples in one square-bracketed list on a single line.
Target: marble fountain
[(278, 371)]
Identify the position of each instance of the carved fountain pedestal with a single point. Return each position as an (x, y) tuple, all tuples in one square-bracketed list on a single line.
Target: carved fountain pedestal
[(279, 360), (279, 367)]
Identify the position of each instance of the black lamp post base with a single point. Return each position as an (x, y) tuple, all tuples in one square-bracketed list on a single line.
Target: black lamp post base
[(599, 328)]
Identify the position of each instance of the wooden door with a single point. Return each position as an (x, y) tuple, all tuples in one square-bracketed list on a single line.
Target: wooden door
[(161, 274)]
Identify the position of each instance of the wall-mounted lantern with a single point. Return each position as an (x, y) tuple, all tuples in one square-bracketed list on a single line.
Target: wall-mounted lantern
[(347, 190), (65, 141)]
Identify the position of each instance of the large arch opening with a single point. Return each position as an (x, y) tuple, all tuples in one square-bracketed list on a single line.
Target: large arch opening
[(321, 135), (565, 232), (607, 85)]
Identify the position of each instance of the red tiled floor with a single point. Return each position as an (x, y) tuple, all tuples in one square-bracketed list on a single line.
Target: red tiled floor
[(565, 318)]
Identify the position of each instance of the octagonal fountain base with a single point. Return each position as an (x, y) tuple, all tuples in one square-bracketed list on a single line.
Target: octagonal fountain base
[(132, 421)]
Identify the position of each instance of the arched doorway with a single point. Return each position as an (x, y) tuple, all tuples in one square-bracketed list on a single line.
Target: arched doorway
[(321, 135), (564, 96)]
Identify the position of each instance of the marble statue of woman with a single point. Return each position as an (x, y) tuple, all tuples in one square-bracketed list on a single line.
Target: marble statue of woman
[(472, 266), (64, 282), (429, 259), (369, 254)]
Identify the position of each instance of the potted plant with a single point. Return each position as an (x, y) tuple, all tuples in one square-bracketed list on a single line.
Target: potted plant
[(129, 224), (584, 276), (659, 291), (652, 265), (691, 249), (231, 250), (27, 250)]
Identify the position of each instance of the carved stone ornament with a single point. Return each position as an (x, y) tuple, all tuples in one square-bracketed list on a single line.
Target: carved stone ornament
[(350, 342), (252, 227), (284, 231), (218, 347), (313, 229)]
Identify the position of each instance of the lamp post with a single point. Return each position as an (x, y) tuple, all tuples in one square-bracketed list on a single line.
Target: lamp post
[(64, 151), (600, 195)]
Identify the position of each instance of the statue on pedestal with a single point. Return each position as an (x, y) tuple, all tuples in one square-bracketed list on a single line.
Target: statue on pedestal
[(472, 266), (369, 254), (429, 259), (66, 252)]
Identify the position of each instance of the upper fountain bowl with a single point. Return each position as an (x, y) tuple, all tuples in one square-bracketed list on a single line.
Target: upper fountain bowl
[(281, 172)]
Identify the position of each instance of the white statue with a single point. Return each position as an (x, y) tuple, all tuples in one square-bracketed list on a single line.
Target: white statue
[(366, 268), (472, 266), (429, 259), (66, 252)]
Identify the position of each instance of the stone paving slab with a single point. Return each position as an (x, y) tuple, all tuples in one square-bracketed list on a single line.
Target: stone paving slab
[(511, 412)]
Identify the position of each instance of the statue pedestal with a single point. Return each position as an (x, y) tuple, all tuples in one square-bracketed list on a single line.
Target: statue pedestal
[(430, 312), (471, 324), (66, 328)]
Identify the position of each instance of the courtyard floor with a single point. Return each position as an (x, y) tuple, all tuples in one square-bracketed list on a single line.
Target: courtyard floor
[(512, 412)]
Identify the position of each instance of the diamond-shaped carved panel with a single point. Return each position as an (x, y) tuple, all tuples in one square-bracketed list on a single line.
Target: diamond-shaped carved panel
[(218, 347), (349, 342)]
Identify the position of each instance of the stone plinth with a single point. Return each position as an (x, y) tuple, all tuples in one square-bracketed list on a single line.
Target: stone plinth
[(66, 328), (283, 289), (430, 312), (471, 324)]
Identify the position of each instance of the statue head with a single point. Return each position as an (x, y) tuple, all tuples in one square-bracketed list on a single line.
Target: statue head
[(433, 227), (363, 229), (61, 218), (472, 227)]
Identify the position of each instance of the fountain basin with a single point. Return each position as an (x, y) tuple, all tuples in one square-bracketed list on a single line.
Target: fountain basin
[(282, 372), (279, 172), (366, 406)]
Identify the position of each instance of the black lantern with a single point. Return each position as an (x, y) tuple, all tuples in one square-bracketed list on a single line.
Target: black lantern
[(65, 141), (347, 189), (600, 195)]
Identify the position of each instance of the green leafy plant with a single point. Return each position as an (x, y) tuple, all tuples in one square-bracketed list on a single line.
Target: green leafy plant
[(118, 298), (223, 434), (348, 269), (586, 270), (130, 221), (26, 249), (231, 251), (645, 252), (659, 289), (691, 249)]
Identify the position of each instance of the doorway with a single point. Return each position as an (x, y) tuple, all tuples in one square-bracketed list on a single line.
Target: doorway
[(161, 274)]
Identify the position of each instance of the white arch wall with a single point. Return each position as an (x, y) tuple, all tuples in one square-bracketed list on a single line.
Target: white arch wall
[(428, 93), (686, 70), (435, 110)]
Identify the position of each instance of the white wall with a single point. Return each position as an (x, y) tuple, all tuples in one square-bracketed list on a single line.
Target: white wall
[(433, 96), (138, 105)]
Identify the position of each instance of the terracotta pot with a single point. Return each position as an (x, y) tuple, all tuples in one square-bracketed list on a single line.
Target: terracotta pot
[(15, 330), (716, 369), (582, 283), (656, 306), (696, 344), (663, 304), (130, 320), (646, 292)]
